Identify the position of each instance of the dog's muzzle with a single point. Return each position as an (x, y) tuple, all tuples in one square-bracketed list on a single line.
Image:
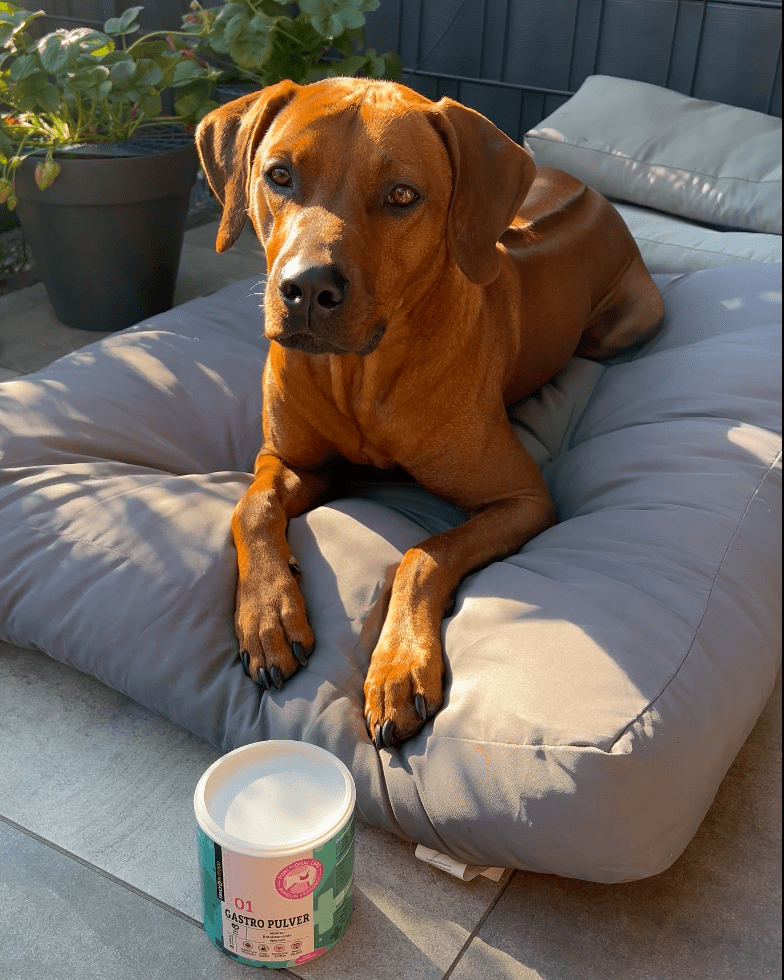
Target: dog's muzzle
[(311, 294)]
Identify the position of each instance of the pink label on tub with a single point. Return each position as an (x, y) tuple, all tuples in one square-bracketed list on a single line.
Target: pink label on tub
[(299, 879)]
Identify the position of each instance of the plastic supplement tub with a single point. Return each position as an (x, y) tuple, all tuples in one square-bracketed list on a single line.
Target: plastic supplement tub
[(275, 824)]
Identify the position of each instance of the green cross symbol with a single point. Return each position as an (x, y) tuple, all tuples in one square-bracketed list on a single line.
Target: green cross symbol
[(324, 913)]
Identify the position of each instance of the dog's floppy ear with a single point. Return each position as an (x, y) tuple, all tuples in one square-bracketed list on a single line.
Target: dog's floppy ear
[(491, 176), (227, 139)]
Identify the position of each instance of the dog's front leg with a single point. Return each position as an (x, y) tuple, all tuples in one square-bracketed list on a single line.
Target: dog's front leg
[(404, 683), (270, 619)]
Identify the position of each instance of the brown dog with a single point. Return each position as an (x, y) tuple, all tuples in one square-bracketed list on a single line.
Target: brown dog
[(422, 277)]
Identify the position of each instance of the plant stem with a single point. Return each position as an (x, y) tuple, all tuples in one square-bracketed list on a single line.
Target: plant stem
[(163, 34)]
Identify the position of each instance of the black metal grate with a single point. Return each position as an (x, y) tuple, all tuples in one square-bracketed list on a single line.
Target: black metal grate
[(146, 141)]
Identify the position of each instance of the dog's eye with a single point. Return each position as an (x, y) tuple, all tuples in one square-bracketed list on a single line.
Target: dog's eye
[(280, 176), (402, 196)]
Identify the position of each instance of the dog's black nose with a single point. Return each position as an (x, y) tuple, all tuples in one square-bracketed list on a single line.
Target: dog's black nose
[(313, 289)]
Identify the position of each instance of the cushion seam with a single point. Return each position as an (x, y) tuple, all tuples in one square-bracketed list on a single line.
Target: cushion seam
[(736, 259)]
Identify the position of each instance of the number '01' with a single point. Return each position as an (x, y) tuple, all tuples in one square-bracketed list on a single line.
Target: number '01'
[(242, 905)]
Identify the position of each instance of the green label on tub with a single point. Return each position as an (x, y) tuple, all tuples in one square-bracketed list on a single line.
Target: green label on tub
[(211, 903), (333, 899)]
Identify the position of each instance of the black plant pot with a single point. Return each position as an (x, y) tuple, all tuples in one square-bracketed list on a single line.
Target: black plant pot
[(107, 235)]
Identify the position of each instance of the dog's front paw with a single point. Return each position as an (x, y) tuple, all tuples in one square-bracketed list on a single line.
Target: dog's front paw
[(403, 688), (272, 627)]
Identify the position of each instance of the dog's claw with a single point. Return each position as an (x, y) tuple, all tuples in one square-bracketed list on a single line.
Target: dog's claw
[(296, 571), (299, 652), (421, 707), (264, 679), (388, 733), (368, 717), (245, 658), (379, 739), (276, 676)]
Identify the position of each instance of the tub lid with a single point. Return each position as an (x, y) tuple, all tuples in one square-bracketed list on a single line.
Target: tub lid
[(275, 797)]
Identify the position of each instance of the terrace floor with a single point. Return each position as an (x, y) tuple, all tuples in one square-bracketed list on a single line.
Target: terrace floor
[(98, 874)]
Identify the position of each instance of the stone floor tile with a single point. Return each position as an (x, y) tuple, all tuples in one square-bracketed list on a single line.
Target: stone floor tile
[(61, 920)]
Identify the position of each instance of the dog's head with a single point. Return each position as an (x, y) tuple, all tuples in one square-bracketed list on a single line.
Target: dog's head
[(360, 192)]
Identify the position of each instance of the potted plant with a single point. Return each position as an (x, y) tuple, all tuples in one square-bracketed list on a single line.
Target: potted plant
[(100, 177), (260, 42)]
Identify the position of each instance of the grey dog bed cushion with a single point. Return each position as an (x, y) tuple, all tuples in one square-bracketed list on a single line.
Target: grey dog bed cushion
[(599, 683)]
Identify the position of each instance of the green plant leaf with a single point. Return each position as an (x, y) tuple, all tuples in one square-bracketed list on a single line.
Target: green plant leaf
[(27, 93), (14, 22), (252, 45), (148, 73), (122, 72), (351, 66), (124, 23), (23, 67), (49, 97), (186, 71), (89, 79), (129, 16), (375, 65), (230, 21), (150, 104), (393, 65), (6, 145), (87, 40), (53, 52), (332, 17), (189, 103)]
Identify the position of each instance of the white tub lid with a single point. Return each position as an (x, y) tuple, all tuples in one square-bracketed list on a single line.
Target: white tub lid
[(275, 797)]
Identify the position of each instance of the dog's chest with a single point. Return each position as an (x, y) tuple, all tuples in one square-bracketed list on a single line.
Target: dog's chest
[(363, 444), (364, 435)]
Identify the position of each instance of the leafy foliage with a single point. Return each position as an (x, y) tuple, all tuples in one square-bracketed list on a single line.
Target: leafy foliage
[(88, 86), (264, 41)]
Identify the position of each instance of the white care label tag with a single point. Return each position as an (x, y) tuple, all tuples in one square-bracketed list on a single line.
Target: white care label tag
[(465, 872)]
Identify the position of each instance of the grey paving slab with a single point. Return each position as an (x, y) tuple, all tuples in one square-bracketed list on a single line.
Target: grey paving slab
[(21, 300), (202, 271), (100, 776), (247, 244), (714, 915), (61, 920), (112, 783)]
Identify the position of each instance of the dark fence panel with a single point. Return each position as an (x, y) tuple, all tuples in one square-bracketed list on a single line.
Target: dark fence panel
[(157, 14), (518, 60)]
